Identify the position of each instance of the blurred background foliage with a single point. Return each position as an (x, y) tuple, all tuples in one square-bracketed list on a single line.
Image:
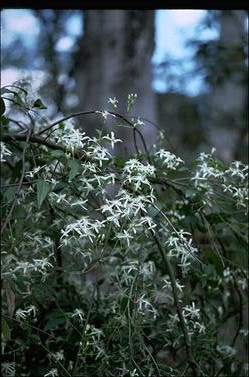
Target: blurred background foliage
[(78, 59)]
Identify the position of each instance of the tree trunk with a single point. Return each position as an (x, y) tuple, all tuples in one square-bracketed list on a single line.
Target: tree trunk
[(114, 61), (228, 98)]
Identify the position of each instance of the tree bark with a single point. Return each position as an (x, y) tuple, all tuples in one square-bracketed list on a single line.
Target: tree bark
[(114, 61), (228, 99)]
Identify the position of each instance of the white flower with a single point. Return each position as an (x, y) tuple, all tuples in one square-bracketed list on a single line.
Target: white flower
[(22, 314), (84, 228), (58, 355), (4, 151), (31, 173), (8, 369), (144, 306), (52, 373), (99, 153), (226, 351), (111, 139), (78, 313), (124, 235), (169, 159), (41, 264), (136, 173), (191, 311), (238, 169), (71, 137), (169, 286), (137, 122), (131, 100), (113, 102), (105, 114)]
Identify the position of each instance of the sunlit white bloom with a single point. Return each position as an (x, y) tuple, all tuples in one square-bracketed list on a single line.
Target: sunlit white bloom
[(94, 332), (124, 235), (242, 283), (113, 102), (148, 221), (25, 266), (180, 246), (111, 139), (79, 203), (134, 373), (23, 314), (169, 159), (147, 269), (133, 166), (244, 332), (132, 96), (78, 313), (199, 326), (59, 197), (85, 227), (131, 100), (136, 173), (31, 173), (191, 311), (145, 307), (105, 114), (168, 284), (89, 167), (71, 137), (98, 153), (8, 369), (131, 266), (238, 169), (41, 264), (137, 122), (59, 355), (174, 318), (52, 373), (226, 350), (4, 151)]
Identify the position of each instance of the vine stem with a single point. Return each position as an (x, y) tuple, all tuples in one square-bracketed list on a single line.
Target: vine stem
[(192, 363), (74, 115)]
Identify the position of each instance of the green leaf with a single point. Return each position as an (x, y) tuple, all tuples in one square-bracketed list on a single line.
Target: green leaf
[(213, 258), (43, 188), (39, 105), (190, 192), (74, 167), (155, 209), (57, 153), (218, 217), (4, 121), (5, 329), (10, 193), (55, 318), (2, 107)]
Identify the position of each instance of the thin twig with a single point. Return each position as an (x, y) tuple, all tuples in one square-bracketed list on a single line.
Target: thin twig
[(8, 218), (84, 329), (74, 115)]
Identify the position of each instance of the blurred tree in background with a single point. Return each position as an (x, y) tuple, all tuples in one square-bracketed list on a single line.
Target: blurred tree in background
[(217, 116), (110, 56), (225, 65)]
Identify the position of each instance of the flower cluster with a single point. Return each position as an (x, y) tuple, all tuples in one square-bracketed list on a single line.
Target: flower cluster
[(136, 174), (168, 159)]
